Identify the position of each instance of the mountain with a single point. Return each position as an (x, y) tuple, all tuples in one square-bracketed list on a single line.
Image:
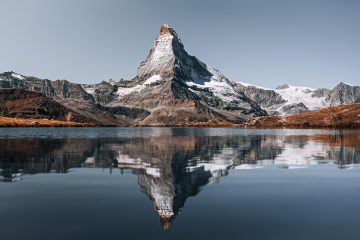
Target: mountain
[(288, 99), (171, 88), (176, 87)]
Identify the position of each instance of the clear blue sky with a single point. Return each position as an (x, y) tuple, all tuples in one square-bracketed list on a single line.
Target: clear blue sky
[(306, 42)]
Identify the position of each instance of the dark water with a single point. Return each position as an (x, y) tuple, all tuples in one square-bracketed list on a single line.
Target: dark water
[(179, 183)]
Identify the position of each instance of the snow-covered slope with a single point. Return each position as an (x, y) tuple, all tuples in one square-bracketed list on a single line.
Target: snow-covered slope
[(296, 94), (122, 91)]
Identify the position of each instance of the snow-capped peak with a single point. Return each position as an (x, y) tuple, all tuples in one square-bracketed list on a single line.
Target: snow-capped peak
[(161, 55)]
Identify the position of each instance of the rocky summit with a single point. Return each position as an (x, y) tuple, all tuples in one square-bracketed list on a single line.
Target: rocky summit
[(171, 88)]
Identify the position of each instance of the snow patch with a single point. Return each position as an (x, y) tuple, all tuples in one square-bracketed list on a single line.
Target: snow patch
[(152, 79), (219, 85), (253, 85), (89, 90), (122, 91), (18, 76), (155, 172)]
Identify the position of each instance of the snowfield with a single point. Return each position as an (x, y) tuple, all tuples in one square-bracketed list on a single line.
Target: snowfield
[(293, 95), (296, 94), (218, 84), (122, 91), (18, 76)]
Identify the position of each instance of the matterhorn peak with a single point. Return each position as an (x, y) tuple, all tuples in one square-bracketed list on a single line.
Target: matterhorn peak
[(164, 29), (162, 55), (171, 77)]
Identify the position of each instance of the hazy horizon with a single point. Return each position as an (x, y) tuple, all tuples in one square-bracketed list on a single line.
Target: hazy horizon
[(266, 43)]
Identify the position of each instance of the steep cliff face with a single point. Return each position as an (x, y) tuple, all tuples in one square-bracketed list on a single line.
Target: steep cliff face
[(343, 94), (268, 99), (103, 92)]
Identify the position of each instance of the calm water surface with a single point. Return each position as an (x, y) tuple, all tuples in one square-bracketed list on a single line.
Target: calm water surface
[(179, 183)]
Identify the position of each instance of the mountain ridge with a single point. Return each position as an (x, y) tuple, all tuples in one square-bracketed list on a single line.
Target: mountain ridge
[(287, 99), (173, 88)]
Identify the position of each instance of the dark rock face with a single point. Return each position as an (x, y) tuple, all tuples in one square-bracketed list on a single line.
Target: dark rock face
[(343, 94), (266, 98), (284, 86), (296, 108), (103, 92), (321, 92)]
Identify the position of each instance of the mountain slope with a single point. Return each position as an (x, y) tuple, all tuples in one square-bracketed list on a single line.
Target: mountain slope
[(340, 116), (72, 97), (18, 103), (287, 99)]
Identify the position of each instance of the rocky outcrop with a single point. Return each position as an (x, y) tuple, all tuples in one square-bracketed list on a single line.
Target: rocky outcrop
[(103, 92), (343, 94), (295, 108), (266, 98), (59, 89)]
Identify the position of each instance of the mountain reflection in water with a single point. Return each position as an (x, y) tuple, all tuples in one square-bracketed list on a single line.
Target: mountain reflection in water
[(172, 167)]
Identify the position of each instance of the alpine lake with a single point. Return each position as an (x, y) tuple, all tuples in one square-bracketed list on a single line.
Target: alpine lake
[(179, 183)]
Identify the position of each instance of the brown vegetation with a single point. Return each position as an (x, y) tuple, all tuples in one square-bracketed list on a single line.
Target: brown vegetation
[(18, 103), (22, 122), (341, 116)]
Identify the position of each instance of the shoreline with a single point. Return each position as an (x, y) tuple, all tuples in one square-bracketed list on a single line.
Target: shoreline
[(6, 122)]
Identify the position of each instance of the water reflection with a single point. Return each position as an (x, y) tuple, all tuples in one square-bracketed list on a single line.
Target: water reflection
[(172, 167)]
